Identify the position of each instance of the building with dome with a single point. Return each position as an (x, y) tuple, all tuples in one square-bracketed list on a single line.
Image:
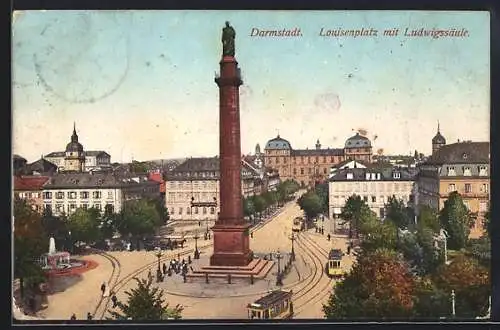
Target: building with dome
[(75, 157), (437, 141), (312, 166)]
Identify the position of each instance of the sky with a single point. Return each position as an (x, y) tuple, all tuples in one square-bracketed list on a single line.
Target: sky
[(140, 84)]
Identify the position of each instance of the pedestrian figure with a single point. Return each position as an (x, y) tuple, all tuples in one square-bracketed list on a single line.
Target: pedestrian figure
[(349, 249), (251, 234), (89, 316), (103, 287), (114, 300), (164, 268), (189, 259), (183, 261), (328, 236), (315, 229), (149, 274), (199, 223), (208, 235), (73, 317)]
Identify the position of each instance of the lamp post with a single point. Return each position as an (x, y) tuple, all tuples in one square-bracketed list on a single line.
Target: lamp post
[(278, 277), (158, 271), (292, 238), (70, 242), (453, 303), (196, 252)]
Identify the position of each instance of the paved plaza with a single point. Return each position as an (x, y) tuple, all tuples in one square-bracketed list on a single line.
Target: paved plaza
[(218, 299)]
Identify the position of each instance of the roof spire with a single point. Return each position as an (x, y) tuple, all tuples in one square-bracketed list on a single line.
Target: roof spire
[(74, 136), (278, 133), (438, 127)]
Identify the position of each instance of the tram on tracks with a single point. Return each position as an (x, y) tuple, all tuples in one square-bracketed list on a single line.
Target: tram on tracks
[(276, 305), (334, 264), (298, 224)]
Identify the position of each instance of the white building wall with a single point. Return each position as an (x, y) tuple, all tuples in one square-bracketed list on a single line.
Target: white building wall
[(375, 193), (68, 205), (178, 199)]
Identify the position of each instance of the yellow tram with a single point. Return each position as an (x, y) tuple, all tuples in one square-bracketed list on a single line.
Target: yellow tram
[(298, 224), (276, 305), (334, 265)]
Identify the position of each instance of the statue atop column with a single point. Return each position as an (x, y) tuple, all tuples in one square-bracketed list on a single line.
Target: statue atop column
[(228, 35)]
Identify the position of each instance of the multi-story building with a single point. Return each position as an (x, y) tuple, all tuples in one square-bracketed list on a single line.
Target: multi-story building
[(65, 192), (311, 166), (76, 159), (30, 188), (18, 163), (192, 188), (375, 184), (463, 167)]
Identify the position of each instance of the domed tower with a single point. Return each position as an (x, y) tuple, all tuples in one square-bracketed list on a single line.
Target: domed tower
[(257, 149), (358, 147), (438, 141), (277, 155), (75, 157), (318, 145)]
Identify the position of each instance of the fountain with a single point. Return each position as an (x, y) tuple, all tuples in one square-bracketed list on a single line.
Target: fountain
[(59, 263)]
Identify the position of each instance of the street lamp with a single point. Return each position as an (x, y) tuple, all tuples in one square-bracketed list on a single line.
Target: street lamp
[(292, 238), (453, 303), (278, 277), (158, 271), (70, 242), (196, 252)]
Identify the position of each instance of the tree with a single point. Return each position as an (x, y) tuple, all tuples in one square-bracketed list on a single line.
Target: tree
[(432, 256), (248, 207), (456, 220), (471, 283), (84, 225), (480, 249), (30, 242), (428, 218), (310, 203), (397, 212), (145, 303), (322, 191), (379, 285), (138, 218), (379, 235), (259, 204), (108, 222), (355, 211), (487, 222), (138, 167), (429, 300)]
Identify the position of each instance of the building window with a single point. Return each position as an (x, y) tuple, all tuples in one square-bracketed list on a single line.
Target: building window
[(212, 210), (59, 195), (365, 198), (96, 194), (484, 188), (451, 187), (467, 171), (47, 195), (294, 171), (382, 199), (324, 171), (72, 207), (110, 195), (468, 188), (48, 207), (84, 194), (374, 199), (277, 160), (317, 159), (59, 208), (72, 194), (180, 210), (483, 171), (451, 171), (204, 210), (97, 206), (188, 210), (309, 170), (196, 210), (85, 206), (302, 171)]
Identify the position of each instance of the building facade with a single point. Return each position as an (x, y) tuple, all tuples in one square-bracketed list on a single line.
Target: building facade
[(30, 188), (463, 167), (374, 184), (75, 159), (65, 192), (311, 166), (192, 189)]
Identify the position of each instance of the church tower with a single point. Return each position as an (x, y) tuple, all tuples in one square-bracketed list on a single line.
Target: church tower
[(75, 157), (438, 141), (318, 145)]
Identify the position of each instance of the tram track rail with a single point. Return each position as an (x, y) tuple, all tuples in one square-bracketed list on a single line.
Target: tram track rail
[(119, 284), (102, 305), (310, 296)]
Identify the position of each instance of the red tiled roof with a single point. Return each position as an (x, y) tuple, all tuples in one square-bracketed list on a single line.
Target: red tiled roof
[(29, 182)]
